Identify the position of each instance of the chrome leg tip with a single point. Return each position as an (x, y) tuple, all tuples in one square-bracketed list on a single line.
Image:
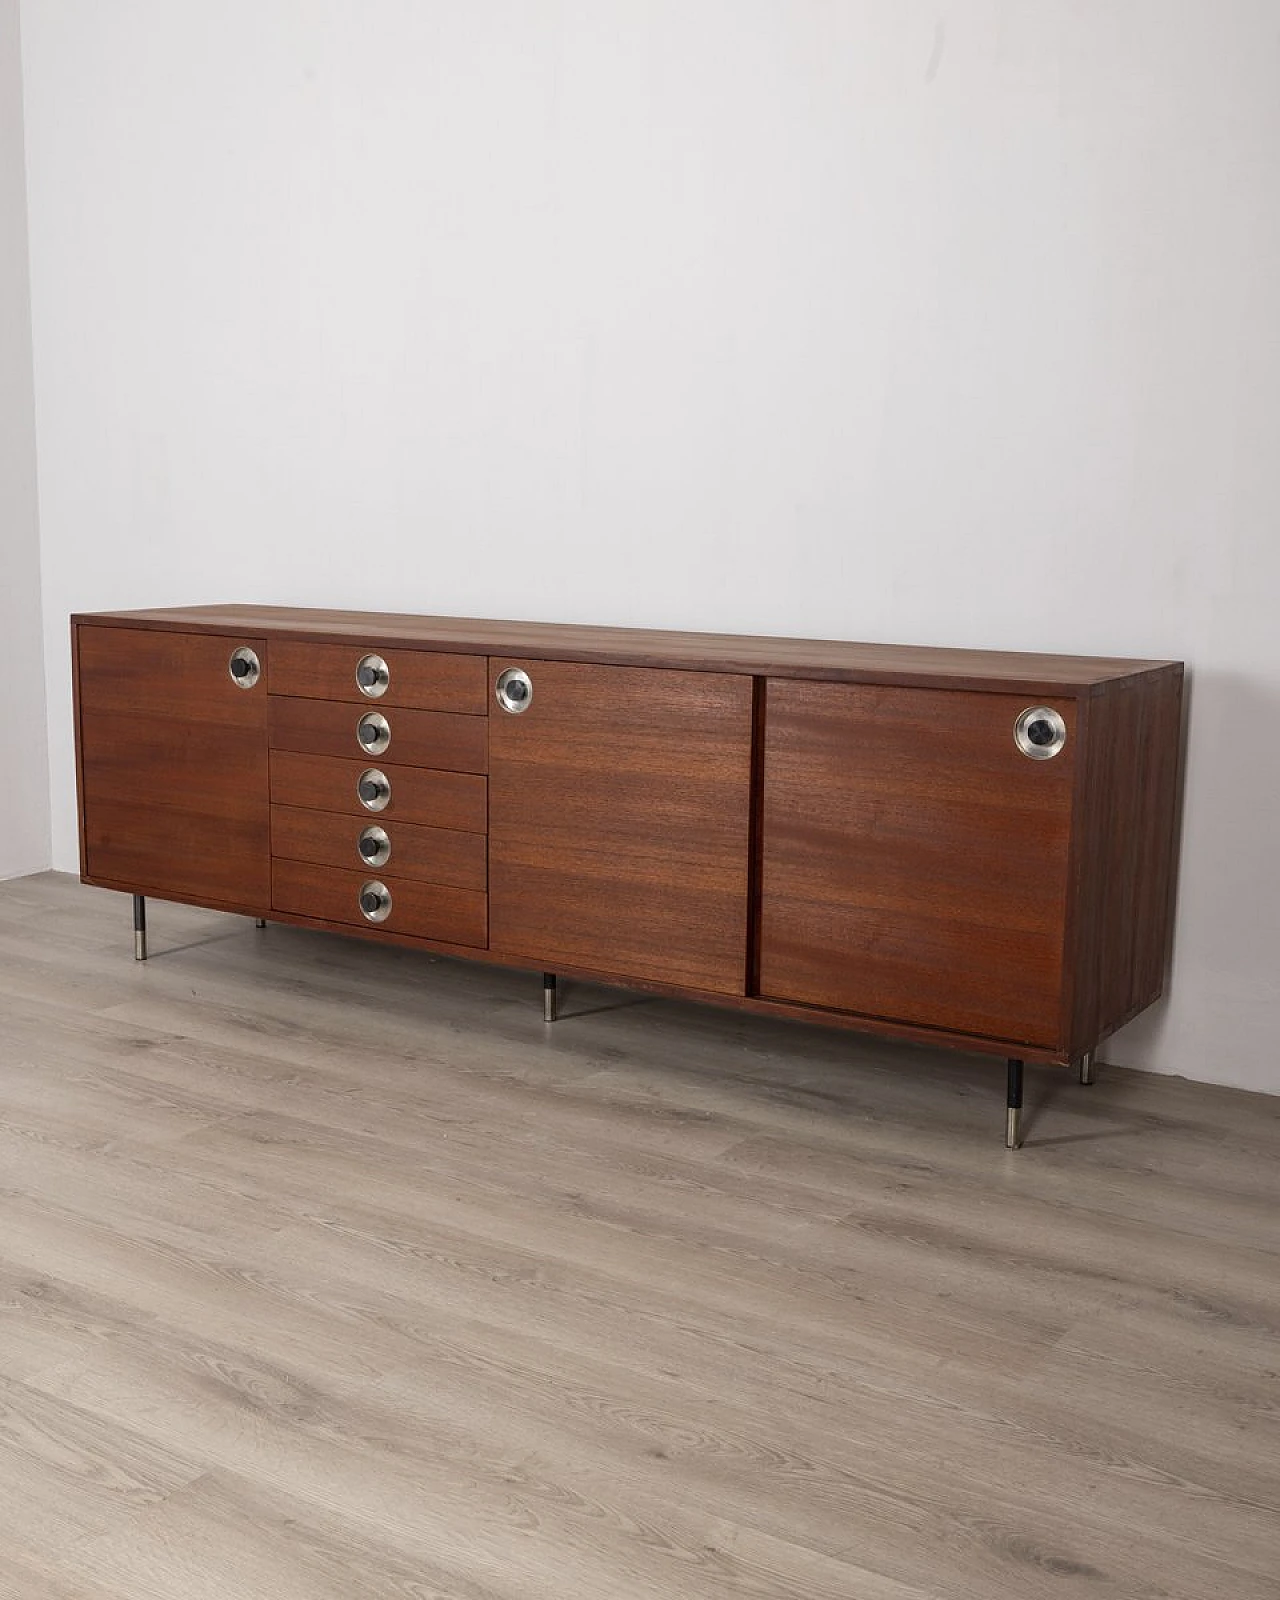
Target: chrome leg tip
[(139, 947), (259, 922), (1013, 1129), (1088, 1069)]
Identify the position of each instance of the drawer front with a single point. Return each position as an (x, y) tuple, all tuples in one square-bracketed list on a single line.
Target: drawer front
[(457, 800), (443, 740), (154, 672), (408, 850), (426, 679), (422, 910)]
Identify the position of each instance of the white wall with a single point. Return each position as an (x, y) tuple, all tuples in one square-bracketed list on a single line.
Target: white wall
[(949, 323), (24, 759)]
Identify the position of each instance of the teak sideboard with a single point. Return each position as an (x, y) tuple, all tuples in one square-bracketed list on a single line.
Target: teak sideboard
[(961, 847)]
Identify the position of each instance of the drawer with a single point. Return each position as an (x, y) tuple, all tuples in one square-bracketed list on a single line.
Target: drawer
[(423, 910), (457, 800), (443, 740), (408, 850), (429, 680)]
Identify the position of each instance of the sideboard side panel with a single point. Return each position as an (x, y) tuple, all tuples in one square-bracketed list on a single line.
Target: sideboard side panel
[(1123, 924)]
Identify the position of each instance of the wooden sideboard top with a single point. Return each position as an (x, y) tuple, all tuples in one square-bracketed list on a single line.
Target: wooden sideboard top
[(924, 666)]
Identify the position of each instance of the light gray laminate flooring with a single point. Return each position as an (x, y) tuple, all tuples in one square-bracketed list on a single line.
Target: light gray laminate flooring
[(330, 1271)]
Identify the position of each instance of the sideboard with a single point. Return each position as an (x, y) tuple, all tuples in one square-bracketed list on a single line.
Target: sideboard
[(964, 848)]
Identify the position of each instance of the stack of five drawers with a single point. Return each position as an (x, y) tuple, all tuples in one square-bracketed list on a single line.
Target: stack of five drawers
[(379, 803)]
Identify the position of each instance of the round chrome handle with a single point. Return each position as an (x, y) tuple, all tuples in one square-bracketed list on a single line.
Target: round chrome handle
[(373, 732), (514, 690), (1040, 733), (375, 901), (373, 789), (374, 845), (372, 676), (244, 667)]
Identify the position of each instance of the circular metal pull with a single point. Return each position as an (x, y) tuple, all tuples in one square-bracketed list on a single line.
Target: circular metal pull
[(1040, 733), (372, 676), (244, 667), (375, 901), (514, 690), (374, 789), (374, 732), (374, 845)]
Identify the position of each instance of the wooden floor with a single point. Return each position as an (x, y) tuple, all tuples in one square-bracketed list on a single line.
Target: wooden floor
[(330, 1271)]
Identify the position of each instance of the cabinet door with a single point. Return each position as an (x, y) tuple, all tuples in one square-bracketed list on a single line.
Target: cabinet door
[(914, 859), (619, 811), (173, 765)]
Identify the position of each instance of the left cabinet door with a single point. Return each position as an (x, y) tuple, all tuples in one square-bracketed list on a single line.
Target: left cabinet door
[(173, 764)]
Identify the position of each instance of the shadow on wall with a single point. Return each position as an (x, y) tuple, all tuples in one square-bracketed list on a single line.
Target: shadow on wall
[(1225, 980)]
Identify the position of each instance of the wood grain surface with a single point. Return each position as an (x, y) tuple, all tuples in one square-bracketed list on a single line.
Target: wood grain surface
[(421, 910), (432, 680), (435, 855), (1122, 930), (158, 764), (172, 764), (648, 647), (619, 808), (329, 1272), (440, 739), (915, 863), (194, 853), (151, 672), (327, 783)]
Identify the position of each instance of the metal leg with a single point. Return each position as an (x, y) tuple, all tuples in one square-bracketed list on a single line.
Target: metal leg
[(139, 928), (1088, 1068), (260, 922), (548, 997), (1013, 1118)]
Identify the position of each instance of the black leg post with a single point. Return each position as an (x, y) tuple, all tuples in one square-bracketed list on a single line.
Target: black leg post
[(139, 928), (259, 922), (548, 997), (1013, 1118)]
